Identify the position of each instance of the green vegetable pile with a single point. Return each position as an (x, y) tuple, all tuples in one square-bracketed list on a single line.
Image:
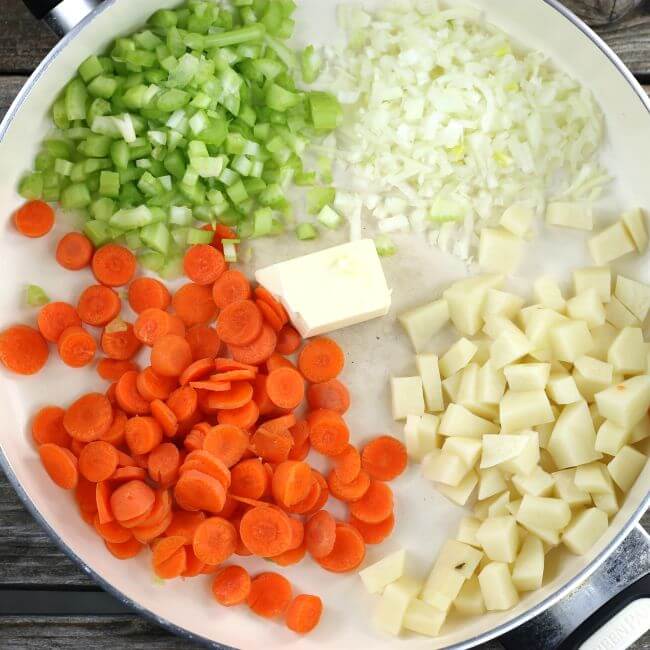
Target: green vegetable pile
[(195, 117)]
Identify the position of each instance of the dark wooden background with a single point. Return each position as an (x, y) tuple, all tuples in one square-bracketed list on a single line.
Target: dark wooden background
[(28, 558)]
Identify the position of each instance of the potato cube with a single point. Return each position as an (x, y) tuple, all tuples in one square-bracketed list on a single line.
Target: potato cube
[(611, 438), (428, 438), (466, 299), (407, 397), (498, 449), (491, 384), (595, 370), (570, 340), (610, 244), (538, 329), (544, 432), (634, 295), (596, 417), (549, 536), (494, 503), (595, 277), (470, 599), (593, 478), (566, 489), (460, 493), (498, 591), (458, 421), (499, 507), (587, 307), (585, 530), (467, 394), (625, 403), (619, 315), (491, 482), (518, 219), (640, 431), (573, 441), (603, 337), (502, 303), (423, 619), (467, 530), (499, 251), (546, 512), (524, 409), (382, 573), (635, 223), (427, 365), (467, 449), (460, 557), (495, 326), (483, 345), (411, 437), (526, 461), (392, 606), (538, 483), (424, 322), (608, 503), (513, 507), (441, 588), (628, 353), (562, 389), (548, 294), (451, 385), (443, 467), (499, 538), (457, 357), (626, 466), (528, 571), (508, 348), (570, 215), (527, 376)]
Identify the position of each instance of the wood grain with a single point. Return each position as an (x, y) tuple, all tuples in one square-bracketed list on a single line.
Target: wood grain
[(602, 12)]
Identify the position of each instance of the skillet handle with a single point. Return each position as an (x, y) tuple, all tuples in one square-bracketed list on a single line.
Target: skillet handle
[(611, 609), (61, 15)]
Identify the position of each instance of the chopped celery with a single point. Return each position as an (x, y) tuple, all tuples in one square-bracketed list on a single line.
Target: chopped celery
[(325, 169), (31, 186), (306, 231), (326, 111), (98, 232), (263, 222), (131, 218), (330, 218), (132, 240), (180, 216), (36, 296), (156, 236), (152, 261), (385, 246), (311, 64), (280, 99), (102, 209), (172, 268), (319, 197), (109, 184), (75, 196), (90, 68), (198, 236), (230, 249)]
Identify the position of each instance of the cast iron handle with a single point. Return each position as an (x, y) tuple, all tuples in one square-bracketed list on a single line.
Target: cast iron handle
[(61, 15)]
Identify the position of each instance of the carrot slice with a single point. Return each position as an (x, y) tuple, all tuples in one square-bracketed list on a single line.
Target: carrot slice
[(300, 452), (194, 440), (47, 426), (153, 386), (194, 305), (304, 613), (348, 492), (290, 557), (128, 473), (165, 417), (347, 464), (265, 531), (163, 463), (331, 395), (170, 355), (146, 533), (286, 388), (276, 361), (113, 265), (126, 550), (240, 393), (262, 294), (240, 323), (196, 370), (34, 219), (272, 446), (300, 432), (215, 540), (243, 417), (54, 318), (97, 461), (205, 462), (228, 443), (128, 397), (112, 531), (288, 340), (204, 264), (233, 375), (184, 402), (231, 586), (261, 396), (292, 481), (232, 286), (249, 479), (270, 594), (121, 345), (103, 493), (23, 350), (375, 505), (112, 369), (374, 533), (198, 491), (148, 293), (329, 435), (204, 341), (270, 315), (142, 434), (258, 351), (76, 347), (320, 360), (222, 364), (98, 305), (348, 553), (384, 458), (74, 251), (153, 323), (131, 500), (185, 523), (89, 418), (320, 534), (169, 559), (61, 465), (84, 495), (211, 387)]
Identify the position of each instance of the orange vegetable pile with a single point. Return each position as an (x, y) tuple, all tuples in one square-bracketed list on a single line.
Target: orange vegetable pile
[(202, 455)]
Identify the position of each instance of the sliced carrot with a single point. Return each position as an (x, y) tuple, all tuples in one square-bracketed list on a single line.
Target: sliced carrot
[(89, 418), (374, 533), (143, 433), (153, 323), (23, 350), (110, 393), (311, 499), (128, 396), (194, 440), (113, 265), (270, 594), (74, 251), (265, 531), (97, 461), (304, 613), (123, 459), (204, 264), (47, 426), (126, 550), (198, 491), (241, 549), (184, 402), (103, 491), (205, 462), (262, 294), (153, 386), (76, 347), (194, 305), (240, 323), (253, 503), (328, 433), (131, 500), (321, 360), (98, 305), (292, 481), (320, 534), (230, 507), (54, 318), (281, 423), (240, 393), (297, 533), (290, 557), (348, 553), (170, 355), (169, 559), (375, 505), (61, 465), (231, 586), (165, 417), (249, 479), (162, 506), (222, 364), (244, 417), (84, 495), (384, 458), (347, 464), (120, 345), (163, 463), (148, 293), (286, 388), (227, 442), (300, 432), (331, 395), (112, 531), (348, 492), (261, 396), (288, 340), (234, 375), (128, 473), (232, 286), (34, 219), (300, 452), (204, 341), (185, 523), (194, 566), (113, 369), (196, 370), (258, 351), (76, 446), (215, 540), (276, 361), (211, 387), (146, 533), (221, 232), (272, 446), (270, 316)]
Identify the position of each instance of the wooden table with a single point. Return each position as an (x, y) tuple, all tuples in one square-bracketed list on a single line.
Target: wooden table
[(28, 559)]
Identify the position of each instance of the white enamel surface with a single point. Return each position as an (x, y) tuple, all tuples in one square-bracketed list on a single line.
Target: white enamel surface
[(375, 350)]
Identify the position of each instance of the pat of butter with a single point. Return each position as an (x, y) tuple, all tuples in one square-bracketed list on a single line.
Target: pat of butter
[(330, 289)]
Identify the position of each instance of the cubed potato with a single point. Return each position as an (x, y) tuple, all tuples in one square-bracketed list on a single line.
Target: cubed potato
[(548, 294), (573, 441), (458, 556), (499, 507), (491, 384), (611, 438), (544, 432), (628, 353), (570, 340), (491, 482), (608, 503), (443, 467), (538, 483), (466, 299), (570, 215), (458, 421), (502, 303), (633, 295), (495, 326), (528, 571), (625, 403), (640, 431), (424, 322), (411, 437), (467, 395), (603, 337), (626, 466), (562, 389), (428, 438), (470, 599), (392, 606), (482, 508), (585, 530), (483, 345), (593, 478), (524, 410), (467, 530), (538, 328), (499, 538), (595, 277), (566, 489), (498, 449), (587, 307), (549, 536), (457, 357), (467, 449), (451, 385), (422, 618), (635, 223), (499, 251), (526, 461), (595, 370), (497, 588), (518, 219), (596, 417), (618, 315), (427, 365), (610, 244), (546, 461), (509, 347), (589, 387), (460, 493), (546, 512), (380, 574), (527, 376), (407, 397), (442, 587), (513, 507)]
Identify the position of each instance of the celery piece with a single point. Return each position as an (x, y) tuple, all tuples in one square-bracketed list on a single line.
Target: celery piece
[(75, 196), (90, 68), (132, 240), (306, 231), (208, 167), (173, 99), (198, 236), (319, 197), (230, 249), (35, 296), (132, 218), (385, 246), (235, 36), (172, 268), (326, 113), (263, 222), (103, 87), (237, 192), (311, 64), (63, 167), (304, 179), (330, 218), (75, 100), (151, 261), (60, 114), (102, 209), (325, 169), (98, 232), (156, 236), (179, 237), (180, 216), (109, 184), (279, 99), (163, 18)]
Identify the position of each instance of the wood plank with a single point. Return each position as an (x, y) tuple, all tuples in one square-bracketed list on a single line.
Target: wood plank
[(602, 12)]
